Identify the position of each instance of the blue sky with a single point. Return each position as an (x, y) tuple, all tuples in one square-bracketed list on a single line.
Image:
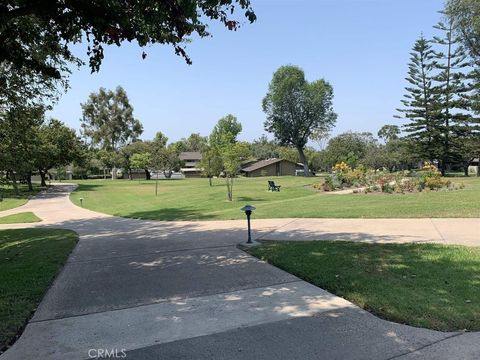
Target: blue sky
[(360, 46)]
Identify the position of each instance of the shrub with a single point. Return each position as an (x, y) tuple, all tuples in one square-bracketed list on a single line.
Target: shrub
[(387, 188), (434, 183), (332, 182), (354, 177)]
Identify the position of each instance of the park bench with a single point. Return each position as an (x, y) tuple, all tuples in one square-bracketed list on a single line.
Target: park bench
[(272, 186)]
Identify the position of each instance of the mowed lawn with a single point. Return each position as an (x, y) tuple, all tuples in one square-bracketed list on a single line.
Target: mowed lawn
[(9, 200), (194, 199), (29, 261), (424, 285), (23, 217)]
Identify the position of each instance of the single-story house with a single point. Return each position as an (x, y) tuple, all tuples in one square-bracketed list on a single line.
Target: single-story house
[(191, 163), (474, 167), (271, 167)]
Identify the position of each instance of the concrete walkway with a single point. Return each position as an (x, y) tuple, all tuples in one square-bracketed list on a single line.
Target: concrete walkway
[(182, 290)]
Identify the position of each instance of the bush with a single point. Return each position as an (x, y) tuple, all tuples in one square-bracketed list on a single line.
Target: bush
[(434, 183), (332, 182)]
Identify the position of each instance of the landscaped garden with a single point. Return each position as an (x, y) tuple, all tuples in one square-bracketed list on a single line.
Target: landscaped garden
[(362, 180), (425, 285), (194, 199), (29, 261)]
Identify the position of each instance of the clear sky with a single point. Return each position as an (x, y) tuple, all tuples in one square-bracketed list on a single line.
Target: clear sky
[(360, 46)]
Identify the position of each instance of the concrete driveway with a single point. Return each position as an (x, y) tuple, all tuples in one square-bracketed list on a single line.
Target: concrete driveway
[(182, 290)]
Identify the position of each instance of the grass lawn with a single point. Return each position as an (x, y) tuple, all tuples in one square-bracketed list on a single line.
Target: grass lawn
[(424, 285), (29, 261), (194, 199), (24, 217), (8, 199)]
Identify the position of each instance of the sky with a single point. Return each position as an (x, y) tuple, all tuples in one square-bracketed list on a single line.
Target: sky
[(360, 46)]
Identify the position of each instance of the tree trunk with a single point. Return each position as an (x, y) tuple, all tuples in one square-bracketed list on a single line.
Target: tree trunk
[(130, 176), (43, 183), (104, 174), (147, 174), (465, 168), (210, 180), (114, 173), (443, 167), (304, 161), (229, 181), (167, 174), (29, 181), (14, 183)]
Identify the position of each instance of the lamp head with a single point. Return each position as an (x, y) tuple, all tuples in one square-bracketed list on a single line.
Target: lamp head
[(248, 209)]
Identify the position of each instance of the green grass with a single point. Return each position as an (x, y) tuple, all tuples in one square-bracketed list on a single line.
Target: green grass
[(424, 285), (194, 199), (9, 200), (29, 261), (23, 217)]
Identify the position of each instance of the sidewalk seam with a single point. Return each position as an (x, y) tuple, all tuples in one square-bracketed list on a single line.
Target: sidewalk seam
[(438, 231), (426, 346), (278, 228)]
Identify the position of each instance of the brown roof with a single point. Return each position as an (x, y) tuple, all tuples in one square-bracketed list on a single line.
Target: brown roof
[(190, 155), (261, 164)]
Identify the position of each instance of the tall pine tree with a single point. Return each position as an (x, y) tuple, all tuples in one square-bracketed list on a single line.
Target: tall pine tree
[(421, 102), (456, 90)]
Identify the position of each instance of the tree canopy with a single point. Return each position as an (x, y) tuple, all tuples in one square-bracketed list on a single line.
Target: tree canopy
[(466, 15), (108, 119), (297, 109), (36, 34)]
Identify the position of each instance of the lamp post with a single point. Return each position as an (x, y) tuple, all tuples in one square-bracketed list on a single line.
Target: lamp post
[(248, 209)]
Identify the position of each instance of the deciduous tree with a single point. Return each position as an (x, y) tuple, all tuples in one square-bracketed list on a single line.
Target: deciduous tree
[(19, 141), (389, 132), (225, 149), (108, 121), (211, 163), (349, 147), (297, 109), (58, 146)]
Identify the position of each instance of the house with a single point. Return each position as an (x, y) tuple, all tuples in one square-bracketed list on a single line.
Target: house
[(191, 163), (474, 167), (271, 167)]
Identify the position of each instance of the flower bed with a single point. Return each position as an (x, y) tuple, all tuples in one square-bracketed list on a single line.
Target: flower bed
[(427, 179)]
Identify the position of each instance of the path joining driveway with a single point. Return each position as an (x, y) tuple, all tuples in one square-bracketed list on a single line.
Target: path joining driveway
[(182, 290)]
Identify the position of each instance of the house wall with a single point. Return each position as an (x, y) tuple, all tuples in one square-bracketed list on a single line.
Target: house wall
[(192, 174), (473, 170), (285, 168), (288, 168)]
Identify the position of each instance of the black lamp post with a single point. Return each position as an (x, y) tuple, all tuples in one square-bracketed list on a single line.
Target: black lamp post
[(248, 209)]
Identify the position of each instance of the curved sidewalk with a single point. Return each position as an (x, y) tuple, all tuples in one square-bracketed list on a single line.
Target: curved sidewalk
[(183, 290)]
